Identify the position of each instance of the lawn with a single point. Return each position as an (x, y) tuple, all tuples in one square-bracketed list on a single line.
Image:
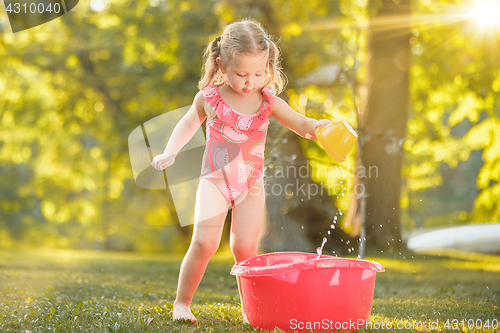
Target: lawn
[(82, 291)]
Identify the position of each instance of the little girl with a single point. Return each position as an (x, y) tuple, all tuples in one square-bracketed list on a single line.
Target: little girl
[(241, 70)]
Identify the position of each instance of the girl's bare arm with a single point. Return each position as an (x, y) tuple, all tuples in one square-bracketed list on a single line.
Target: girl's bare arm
[(183, 132), (298, 123)]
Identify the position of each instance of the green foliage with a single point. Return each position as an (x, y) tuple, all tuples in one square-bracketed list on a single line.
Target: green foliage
[(454, 112), (73, 91)]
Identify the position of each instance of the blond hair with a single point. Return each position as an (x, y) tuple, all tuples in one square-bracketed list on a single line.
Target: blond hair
[(244, 37)]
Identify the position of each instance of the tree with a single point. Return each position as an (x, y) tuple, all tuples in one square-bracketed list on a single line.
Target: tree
[(382, 125)]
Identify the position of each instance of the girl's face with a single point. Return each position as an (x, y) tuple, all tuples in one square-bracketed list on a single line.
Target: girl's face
[(246, 72)]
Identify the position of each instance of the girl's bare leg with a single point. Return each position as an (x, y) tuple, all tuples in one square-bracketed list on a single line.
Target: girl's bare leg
[(247, 218), (210, 213)]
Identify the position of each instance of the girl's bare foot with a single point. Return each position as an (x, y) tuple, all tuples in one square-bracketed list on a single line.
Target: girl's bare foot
[(182, 311)]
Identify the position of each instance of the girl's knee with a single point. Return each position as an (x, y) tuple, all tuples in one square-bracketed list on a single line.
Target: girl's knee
[(243, 250), (205, 246)]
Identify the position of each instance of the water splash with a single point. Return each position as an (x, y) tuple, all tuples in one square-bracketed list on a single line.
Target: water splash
[(319, 250), (350, 249)]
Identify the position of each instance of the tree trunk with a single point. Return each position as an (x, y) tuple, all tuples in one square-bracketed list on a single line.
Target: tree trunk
[(382, 126)]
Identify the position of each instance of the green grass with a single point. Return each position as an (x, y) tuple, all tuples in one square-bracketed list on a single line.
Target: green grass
[(77, 291)]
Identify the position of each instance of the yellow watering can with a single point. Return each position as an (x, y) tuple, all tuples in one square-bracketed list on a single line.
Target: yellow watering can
[(337, 139)]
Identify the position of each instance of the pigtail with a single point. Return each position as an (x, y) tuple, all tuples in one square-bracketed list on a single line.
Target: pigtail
[(210, 71), (276, 79)]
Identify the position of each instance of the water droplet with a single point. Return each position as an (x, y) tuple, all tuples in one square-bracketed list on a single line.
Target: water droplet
[(341, 182), (349, 250), (381, 225), (319, 250), (332, 226), (340, 213), (335, 218), (328, 231)]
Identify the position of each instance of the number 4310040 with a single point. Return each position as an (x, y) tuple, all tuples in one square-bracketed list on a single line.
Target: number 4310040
[(33, 8), (456, 324)]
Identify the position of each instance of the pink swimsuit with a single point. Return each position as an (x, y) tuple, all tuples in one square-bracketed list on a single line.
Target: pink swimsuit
[(234, 155)]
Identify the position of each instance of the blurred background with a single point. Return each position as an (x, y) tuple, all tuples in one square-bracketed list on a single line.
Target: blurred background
[(419, 80)]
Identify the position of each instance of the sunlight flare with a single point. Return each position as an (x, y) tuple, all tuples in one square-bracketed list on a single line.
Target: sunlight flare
[(487, 13)]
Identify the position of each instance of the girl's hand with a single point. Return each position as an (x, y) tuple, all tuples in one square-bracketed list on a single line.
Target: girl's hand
[(320, 124), (162, 161)]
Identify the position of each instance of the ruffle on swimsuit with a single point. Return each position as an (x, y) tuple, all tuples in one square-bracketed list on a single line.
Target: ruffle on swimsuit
[(234, 155)]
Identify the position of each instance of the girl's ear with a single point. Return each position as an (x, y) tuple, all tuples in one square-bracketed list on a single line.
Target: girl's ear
[(221, 65)]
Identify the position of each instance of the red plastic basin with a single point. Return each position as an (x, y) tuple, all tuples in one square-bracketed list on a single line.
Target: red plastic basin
[(295, 291)]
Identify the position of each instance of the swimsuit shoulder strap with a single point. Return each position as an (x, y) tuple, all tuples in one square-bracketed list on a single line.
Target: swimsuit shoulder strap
[(267, 102)]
